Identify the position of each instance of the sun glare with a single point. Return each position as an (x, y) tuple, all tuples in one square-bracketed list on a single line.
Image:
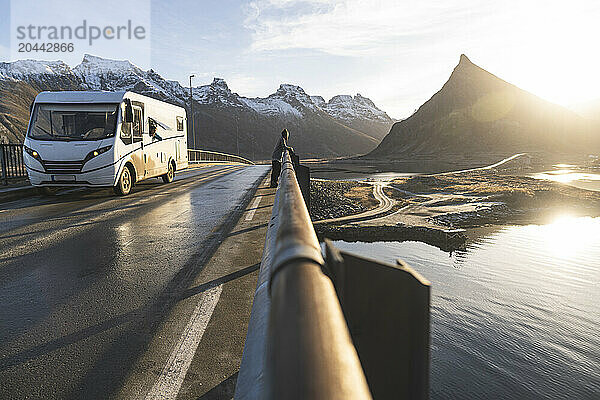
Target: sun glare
[(568, 235), (558, 40)]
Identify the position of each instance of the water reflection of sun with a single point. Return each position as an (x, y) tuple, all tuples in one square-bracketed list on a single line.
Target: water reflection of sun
[(566, 236), (566, 176)]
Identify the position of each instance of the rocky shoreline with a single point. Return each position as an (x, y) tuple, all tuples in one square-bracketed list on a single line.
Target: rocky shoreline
[(335, 199), (447, 240), (441, 209), (480, 198)]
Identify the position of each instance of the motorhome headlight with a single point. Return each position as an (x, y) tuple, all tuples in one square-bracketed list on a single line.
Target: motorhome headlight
[(96, 153), (33, 153)]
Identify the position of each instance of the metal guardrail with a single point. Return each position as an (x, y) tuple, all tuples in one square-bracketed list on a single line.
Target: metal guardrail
[(309, 350), (200, 156), (343, 328), (11, 162), (13, 167), (298, 345)]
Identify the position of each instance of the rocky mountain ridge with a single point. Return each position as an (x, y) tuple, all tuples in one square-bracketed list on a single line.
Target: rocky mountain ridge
[(345, 125)]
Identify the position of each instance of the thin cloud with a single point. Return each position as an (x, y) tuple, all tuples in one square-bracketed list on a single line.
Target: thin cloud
[(349, 27), (243, 84)]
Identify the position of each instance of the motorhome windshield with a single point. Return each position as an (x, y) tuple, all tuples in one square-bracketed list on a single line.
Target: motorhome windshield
[(73, 121)]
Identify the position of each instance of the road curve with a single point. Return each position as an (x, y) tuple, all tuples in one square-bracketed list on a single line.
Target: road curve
[(385, 206)]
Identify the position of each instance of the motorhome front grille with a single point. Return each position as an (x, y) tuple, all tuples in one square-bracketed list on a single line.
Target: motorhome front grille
[(63, 167)]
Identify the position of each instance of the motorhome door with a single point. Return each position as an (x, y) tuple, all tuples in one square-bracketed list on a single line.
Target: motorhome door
[(138, 140)]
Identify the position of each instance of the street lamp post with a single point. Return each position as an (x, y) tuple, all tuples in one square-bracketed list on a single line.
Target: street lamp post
[(192, 114), (237, 135)]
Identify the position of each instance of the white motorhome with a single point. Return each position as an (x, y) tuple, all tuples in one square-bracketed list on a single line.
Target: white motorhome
[(103, 139)]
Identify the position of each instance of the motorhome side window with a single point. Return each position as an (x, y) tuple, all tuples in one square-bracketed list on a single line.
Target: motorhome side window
[(180, 123), (138, 129)]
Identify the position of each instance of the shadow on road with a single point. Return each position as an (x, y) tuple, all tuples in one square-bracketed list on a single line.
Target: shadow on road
[(219, 281), (75, 337), (252, 228), (224, 390)]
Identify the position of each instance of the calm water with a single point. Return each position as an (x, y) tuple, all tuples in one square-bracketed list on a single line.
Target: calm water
[(517, 315), (565, 173)]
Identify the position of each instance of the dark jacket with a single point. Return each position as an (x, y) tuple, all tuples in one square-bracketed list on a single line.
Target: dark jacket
[(279, 149)]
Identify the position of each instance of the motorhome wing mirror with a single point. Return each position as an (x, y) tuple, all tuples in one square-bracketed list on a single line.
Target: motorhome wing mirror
[(128, 111)]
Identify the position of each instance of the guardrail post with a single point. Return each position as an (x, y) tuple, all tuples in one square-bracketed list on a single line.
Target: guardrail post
[(303, 175), (3, 162), (387, 310), (22, 170)]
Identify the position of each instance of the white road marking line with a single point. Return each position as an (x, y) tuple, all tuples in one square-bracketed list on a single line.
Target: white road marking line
[(253, 210), (170, 380)]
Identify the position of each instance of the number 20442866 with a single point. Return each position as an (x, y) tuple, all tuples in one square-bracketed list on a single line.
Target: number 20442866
[(25, 47)]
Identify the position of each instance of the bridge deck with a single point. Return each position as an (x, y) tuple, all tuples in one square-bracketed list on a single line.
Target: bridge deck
[(140, 296)]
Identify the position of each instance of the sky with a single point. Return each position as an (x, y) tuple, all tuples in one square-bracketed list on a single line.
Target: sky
[(396, 52)]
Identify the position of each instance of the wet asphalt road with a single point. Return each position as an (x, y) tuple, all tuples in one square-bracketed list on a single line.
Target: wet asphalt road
[(86, 277)]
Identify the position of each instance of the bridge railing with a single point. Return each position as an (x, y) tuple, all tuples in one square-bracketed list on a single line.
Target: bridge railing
[(11, 162), (305, 316), (203, 156), (335, 328)]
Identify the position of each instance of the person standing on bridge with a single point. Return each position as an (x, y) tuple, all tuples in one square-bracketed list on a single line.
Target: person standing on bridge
[(278, 156)]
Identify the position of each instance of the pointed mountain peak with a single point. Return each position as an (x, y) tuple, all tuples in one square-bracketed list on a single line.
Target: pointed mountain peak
[(466, 65), (467, 71), (217, 92), (318, 100), (483, 114), (364, 100), (91, 63), (348, 108), (464, 60), (219, 83), (341, 98), (286, 88), (87, 58)]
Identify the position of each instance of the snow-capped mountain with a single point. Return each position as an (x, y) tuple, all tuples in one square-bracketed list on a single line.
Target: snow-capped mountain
[(344, 125), (217, 93), (40, 74), (357, 112), (101, 74), (288, 101), (23, 68), (350, 108), (318, 100)]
